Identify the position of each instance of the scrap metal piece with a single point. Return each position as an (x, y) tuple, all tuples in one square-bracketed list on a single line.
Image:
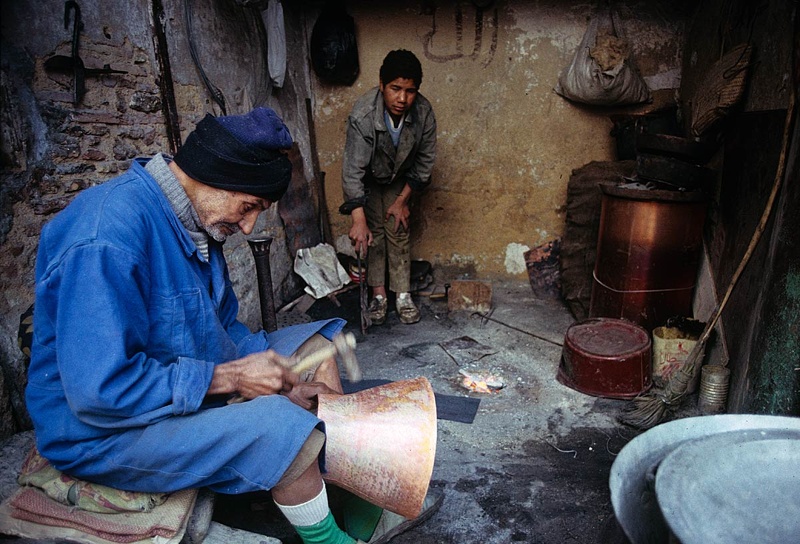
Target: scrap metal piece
[(466, 350)]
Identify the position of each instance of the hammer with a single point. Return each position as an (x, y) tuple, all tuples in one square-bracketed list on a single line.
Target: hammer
[(343, 345)]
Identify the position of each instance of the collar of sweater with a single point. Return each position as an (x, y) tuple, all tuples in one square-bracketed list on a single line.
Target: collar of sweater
[(158, 167)]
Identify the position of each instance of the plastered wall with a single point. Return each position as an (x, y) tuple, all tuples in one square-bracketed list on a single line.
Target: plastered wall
[(507, 142)]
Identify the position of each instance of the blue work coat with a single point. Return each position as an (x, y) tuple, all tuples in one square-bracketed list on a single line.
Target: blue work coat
[(129, 322)]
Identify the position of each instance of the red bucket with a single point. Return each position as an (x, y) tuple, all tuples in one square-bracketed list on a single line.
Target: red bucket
[(606, 357)]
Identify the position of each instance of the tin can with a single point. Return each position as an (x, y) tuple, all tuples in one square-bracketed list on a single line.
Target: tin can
[(713, 395)]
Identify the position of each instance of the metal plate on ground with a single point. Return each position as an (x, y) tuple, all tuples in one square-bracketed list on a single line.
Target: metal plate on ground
[(286, 319)]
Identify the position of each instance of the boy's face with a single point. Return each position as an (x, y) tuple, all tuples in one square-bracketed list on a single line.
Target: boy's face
[(398, 96)]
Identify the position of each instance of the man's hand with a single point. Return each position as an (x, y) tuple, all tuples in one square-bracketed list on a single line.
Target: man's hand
[(304, 394), (263, 373), (360, 234)]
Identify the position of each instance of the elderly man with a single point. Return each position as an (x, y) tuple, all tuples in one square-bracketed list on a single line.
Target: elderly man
[(137, 346)]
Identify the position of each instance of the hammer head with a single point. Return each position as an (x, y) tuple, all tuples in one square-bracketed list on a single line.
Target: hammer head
[(345, 345)]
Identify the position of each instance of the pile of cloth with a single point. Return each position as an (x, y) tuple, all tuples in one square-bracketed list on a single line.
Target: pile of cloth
[(50, 504)]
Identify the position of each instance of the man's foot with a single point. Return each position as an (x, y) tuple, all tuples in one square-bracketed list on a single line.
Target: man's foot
[(406, 309), (390, 525), (377, 310)]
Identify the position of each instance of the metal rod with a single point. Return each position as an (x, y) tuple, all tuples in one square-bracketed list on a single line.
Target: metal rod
[(366, 322), (489, 318), (260, 249)]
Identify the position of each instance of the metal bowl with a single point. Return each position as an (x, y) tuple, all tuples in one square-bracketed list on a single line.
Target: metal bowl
[(633, 475)]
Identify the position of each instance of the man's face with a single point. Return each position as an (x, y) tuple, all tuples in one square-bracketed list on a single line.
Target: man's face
[(398, 96), (224, 213)]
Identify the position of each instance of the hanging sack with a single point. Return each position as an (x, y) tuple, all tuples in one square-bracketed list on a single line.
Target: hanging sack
[(334, 52), (603, 73)]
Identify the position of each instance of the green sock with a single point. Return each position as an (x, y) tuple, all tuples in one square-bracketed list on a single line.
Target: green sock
[(324, 532)]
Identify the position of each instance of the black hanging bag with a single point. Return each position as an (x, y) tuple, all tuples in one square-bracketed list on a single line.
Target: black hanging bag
[(334, 52)]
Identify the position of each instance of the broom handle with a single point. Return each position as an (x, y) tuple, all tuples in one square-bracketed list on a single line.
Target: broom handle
[(762, 225)]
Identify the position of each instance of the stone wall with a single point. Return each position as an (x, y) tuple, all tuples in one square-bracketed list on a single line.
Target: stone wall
[(53, 147)]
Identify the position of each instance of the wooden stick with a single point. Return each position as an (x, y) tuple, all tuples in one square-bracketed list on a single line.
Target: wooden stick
[(312, 360), (762, 224)]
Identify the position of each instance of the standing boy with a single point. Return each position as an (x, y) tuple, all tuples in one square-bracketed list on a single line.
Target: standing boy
[(389, 154)]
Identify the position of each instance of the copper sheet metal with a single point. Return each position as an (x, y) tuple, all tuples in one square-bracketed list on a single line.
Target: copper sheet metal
[(648, 251), (381, 443)]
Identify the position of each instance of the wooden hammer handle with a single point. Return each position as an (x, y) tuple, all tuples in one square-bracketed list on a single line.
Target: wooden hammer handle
[(310, 361), (306, 363), (345, 342)]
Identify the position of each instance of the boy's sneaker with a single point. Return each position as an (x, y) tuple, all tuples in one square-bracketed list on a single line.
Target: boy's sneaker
[(406, 309), (377, 310)]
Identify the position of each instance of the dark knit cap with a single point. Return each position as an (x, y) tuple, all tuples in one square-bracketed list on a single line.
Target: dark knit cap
[(239, 153)]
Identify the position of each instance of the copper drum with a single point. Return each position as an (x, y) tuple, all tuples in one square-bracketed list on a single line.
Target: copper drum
[(648, 252), (381, 443), (606, 357)]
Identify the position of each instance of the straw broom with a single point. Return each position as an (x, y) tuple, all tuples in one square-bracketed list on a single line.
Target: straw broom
[(648, 410)]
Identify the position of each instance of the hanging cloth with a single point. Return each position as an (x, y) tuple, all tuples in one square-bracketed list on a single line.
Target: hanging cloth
[(276, 42)]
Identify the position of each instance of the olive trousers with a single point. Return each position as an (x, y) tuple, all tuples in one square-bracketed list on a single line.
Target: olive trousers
[(390, 251)]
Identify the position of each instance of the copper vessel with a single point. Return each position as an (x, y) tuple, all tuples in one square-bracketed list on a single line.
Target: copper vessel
[(648, 251), (606, 357), (381, 443)]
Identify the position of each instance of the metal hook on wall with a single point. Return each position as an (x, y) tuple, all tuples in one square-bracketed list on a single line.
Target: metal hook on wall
[(74, 64)]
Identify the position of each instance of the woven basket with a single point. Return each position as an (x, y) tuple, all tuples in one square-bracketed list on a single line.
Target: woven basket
[(723, 88)]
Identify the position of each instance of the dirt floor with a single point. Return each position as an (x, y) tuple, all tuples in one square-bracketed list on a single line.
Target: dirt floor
[(532, 467)]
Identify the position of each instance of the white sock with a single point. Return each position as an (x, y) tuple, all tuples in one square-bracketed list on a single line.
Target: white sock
[(307, 513)]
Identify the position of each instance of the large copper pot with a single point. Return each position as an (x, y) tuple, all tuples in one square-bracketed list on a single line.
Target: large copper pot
[(648, 251)]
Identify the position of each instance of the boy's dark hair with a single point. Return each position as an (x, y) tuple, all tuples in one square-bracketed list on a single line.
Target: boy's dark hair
[(401, 63)]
